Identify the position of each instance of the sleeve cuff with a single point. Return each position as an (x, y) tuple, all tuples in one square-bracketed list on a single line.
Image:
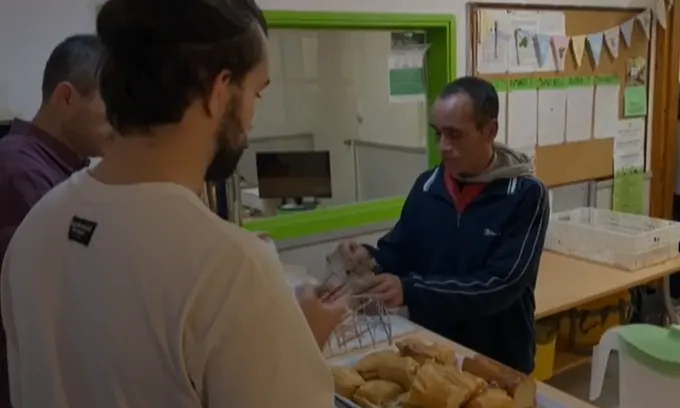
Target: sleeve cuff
[(408, 289)]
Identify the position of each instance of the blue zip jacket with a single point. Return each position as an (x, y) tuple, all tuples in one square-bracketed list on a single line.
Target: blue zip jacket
[(470, 276)]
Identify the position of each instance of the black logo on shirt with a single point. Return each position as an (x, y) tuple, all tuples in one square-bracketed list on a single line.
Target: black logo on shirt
[(81, 230)]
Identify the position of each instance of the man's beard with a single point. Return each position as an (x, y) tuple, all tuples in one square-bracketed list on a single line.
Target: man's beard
[(226, 157)]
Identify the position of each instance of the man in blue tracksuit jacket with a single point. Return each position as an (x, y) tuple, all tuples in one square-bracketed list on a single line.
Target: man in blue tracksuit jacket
[(464, 254)]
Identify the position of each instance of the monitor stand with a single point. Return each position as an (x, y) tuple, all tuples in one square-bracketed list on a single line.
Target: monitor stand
[(296, 204)]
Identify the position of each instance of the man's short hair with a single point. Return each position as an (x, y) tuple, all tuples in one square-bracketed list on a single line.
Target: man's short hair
[(482, 94), (75, 60), (161, 59)]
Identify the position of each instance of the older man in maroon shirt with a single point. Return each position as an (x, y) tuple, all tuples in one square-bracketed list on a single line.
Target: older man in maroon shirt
[(69, 128)]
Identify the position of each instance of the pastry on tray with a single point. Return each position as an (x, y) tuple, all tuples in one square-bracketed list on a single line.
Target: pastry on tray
[(377, 393), (401, 370), (443, 386), (492, 398), (368, 366), (347, 381), (422, 351)]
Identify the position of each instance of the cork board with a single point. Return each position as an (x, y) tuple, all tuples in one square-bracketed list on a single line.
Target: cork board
[(555, 164)]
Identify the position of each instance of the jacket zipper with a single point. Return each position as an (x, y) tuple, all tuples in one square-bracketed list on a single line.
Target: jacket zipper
[(458, 220)]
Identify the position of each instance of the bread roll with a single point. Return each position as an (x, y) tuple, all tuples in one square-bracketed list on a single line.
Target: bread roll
[(376, 393), (367, 367), (347, 381), (401, 370), (423, 352), (492, 398), (439, 386)]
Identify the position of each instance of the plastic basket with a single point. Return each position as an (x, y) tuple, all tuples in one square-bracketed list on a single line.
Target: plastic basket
[(621, 240)]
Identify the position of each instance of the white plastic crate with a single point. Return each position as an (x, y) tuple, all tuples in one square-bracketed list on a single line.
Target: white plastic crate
[(621, 240)]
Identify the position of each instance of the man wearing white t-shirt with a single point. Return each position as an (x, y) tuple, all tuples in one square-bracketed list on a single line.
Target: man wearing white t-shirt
[(120, 288)]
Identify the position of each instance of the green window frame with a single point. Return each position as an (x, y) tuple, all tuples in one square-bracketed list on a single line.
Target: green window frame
[(441, 69)]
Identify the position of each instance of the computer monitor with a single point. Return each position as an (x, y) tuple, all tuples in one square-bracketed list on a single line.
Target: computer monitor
[(294, 175)]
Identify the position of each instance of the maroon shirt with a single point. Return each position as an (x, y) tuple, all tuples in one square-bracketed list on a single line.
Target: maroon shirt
[(31, 163)]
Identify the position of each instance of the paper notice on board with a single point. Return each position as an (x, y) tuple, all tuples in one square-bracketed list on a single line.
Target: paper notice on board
[(407, 75), (629, 145), (629, 164), (524, 25), (493, 49)]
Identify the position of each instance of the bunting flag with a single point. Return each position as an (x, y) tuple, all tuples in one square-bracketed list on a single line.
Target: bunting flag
[(645, 20), (611, 38), (595, 42), (578, 45), (627, 31), (660, 11), (560, 43), (542, 44)]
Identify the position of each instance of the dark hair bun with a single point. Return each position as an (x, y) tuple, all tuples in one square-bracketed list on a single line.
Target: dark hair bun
[(131, 28)]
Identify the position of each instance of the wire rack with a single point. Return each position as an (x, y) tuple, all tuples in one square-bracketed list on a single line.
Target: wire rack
[(368, 322)]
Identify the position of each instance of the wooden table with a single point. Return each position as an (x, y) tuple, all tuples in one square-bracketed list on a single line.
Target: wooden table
[(565, 283), (544, 390)]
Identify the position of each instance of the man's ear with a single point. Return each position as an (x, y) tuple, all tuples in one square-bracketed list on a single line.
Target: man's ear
[(63, 93), (220, 94), (491, 130)]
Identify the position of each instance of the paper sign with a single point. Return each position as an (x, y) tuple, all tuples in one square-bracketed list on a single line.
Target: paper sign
[(645, 20), (628, 194), (660, 10), (627, 31), (635, 101), (629, 145), (542, 44), (629, 164), (406, 75), (524, 51), (595, 42), (611, 38), (560, 44), (578, 45)]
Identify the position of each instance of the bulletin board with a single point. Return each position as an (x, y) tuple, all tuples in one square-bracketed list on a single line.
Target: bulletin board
[(592, 158)]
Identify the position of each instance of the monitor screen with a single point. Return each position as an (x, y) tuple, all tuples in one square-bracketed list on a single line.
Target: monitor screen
[(294, 174)]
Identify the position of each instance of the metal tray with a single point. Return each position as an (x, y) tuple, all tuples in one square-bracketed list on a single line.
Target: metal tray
[(542, 401)]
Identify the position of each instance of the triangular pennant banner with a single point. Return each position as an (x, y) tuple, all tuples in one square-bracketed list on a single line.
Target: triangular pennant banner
[(578, 45), (627, 31), (611, 38), (595, 42), (660, 11), (645, 20), (560, 44), (542, 44)]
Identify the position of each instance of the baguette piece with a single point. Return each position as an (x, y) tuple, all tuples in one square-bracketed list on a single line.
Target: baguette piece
[(520, 387)]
